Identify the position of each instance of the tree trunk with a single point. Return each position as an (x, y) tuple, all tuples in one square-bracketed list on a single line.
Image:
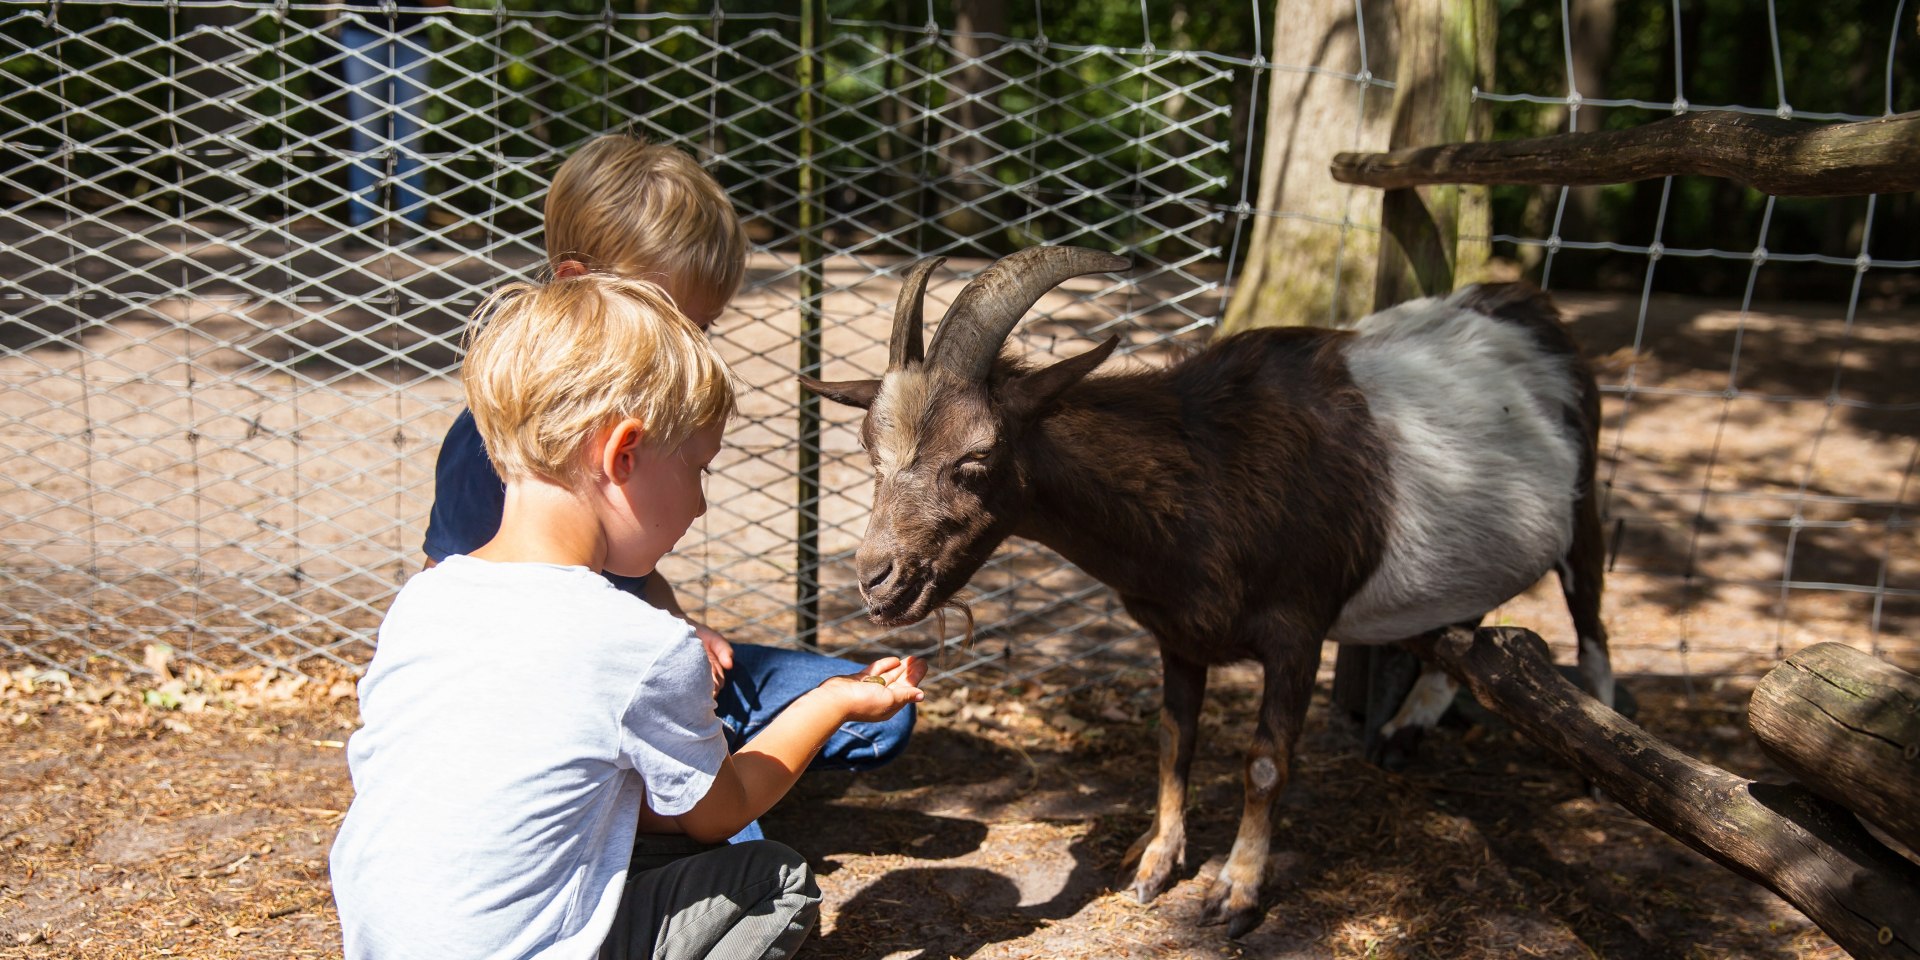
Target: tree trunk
[(1814, 854), (1848, 726), (969, 147), (1592, 35), (1432, 104), (1302, 266)]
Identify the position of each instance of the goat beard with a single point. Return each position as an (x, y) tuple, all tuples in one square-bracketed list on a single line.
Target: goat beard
[(940, 621)]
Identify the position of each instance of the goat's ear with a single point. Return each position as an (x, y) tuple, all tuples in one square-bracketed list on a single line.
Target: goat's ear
[(853, 393), (1030, 394)]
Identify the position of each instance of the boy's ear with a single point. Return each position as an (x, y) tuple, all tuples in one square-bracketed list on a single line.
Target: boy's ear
[(1029, 394), (853, 393), (617, 456), (568, 269)]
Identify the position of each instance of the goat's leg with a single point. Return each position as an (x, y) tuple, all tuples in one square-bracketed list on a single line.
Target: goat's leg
[(1235, 893), (1428, 701), (1393, 677), (1400, 737), (1583, 573), (1163, 848)]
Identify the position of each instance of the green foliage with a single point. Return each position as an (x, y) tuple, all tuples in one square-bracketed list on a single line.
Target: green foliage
[(1116, 145), (1833, 59)]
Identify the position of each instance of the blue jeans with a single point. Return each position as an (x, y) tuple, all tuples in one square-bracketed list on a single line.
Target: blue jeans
[(765, 679), (386, 91)]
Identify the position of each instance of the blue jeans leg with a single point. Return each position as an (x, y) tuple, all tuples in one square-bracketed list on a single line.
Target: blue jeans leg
[(386, 93), (409, 102), (765, 679), (367, 76)]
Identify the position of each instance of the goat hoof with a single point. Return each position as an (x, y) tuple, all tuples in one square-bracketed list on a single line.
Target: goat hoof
[(1397, 752), (1239, 922), (1148, 884), (1242, 923), (1159, 857), (1240, 913)]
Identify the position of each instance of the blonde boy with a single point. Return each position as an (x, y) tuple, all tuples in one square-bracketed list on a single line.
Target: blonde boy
[(624, 206), (540, 772)]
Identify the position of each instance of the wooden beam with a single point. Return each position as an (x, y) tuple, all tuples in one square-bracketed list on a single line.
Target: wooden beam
[(1847, 725), (1780, 157), (1810, 851)]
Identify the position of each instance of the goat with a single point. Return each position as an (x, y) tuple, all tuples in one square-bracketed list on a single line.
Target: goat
[(1280, 487)]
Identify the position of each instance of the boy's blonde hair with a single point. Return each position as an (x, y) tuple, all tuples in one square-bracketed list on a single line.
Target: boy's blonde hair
[(625, 206), (548, 366)]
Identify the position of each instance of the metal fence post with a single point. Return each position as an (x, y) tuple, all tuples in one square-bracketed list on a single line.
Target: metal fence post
[(807, 539)]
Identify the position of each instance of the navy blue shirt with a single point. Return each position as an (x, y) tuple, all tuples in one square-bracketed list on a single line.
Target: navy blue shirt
[(468, 498)]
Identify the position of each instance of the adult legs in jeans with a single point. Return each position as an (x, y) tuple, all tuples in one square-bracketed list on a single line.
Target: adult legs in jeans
[(684, 900), (386, 86)]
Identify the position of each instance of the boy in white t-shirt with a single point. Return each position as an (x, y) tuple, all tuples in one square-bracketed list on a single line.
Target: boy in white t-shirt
[(540, 772)]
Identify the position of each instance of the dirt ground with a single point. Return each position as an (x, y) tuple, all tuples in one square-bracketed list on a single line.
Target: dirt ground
[(129, 829)]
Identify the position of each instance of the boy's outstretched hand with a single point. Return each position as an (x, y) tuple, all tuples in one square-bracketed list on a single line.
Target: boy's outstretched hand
[(751, 781), (879, 691)]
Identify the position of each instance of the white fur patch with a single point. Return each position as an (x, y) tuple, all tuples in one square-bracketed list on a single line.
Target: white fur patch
[(1263, 773), (1483, 467), (1426, 703), (899, 413)]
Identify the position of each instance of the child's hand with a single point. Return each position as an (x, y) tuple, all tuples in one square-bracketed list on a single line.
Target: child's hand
[(719, 653), (879, 691)]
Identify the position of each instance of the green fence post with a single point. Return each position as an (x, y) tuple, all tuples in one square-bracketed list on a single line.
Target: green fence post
[(807, 549)]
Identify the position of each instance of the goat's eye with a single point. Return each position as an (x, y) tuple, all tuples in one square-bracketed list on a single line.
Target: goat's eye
[(975, 460)]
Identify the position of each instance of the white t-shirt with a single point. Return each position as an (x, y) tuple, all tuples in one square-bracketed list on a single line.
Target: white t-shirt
[(515, 716)]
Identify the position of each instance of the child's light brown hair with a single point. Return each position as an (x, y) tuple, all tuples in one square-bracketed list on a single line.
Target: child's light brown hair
[(625, 206), (550, 365)]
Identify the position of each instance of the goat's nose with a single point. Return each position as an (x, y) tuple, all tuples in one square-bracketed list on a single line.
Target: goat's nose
[(880, 571)]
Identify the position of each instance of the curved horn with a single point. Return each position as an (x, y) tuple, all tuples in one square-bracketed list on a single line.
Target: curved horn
[(989, 307), (904, 346)]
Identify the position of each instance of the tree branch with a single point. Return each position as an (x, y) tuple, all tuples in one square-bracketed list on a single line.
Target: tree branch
[(1780, 157)]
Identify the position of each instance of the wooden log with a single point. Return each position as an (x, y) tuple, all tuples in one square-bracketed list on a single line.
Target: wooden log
[(1781, 157), (1811, 852), (1847, 725)]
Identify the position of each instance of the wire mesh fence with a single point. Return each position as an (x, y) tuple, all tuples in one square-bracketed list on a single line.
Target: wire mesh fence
[(236, 271)]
